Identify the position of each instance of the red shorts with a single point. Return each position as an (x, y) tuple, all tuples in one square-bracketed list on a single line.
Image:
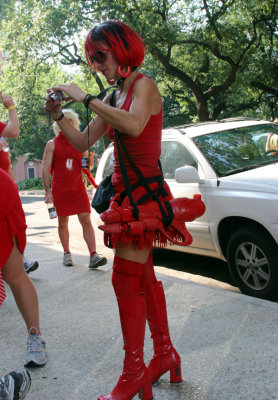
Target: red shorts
[(146, 239)]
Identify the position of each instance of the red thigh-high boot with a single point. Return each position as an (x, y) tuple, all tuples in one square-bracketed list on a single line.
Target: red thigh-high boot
[(135, 377), (165, 357)]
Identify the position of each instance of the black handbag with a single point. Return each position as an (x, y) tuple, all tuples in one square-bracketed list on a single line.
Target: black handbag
[(103, 195)]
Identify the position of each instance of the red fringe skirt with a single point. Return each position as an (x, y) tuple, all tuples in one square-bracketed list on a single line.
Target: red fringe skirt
[(143, 240)]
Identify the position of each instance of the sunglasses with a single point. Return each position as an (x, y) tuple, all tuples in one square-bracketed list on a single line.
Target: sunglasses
[(99, 56)]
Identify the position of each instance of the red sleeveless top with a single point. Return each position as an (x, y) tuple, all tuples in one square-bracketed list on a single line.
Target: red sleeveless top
[(4, 156), (144, 150)]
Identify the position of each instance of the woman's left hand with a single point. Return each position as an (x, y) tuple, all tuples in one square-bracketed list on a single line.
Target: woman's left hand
[(52, 107), (6, 100), (72, 91)]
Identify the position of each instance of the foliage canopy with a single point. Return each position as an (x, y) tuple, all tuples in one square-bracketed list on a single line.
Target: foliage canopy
[(211, 59)]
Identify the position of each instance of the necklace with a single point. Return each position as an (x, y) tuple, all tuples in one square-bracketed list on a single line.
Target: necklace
[(69, 161)]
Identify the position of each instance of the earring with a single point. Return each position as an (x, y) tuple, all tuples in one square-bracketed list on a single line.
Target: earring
[(124, 74)]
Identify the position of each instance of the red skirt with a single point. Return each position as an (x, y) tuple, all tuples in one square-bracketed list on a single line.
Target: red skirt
[(71, 202), (12, 223), (143, 240)]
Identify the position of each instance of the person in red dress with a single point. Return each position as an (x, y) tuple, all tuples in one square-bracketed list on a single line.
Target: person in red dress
[(13, 242), (5, 130), (116, 51), (68, 191)]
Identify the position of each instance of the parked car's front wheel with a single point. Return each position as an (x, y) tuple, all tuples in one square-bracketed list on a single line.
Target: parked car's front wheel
[(253, 263)]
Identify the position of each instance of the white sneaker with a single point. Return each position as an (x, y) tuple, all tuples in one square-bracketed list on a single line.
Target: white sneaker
[(30, 266), (36, 354), (67, 260), (15, 385), (97, 260)]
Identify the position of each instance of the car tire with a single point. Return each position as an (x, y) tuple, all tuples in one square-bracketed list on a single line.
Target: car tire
[(253, 263)]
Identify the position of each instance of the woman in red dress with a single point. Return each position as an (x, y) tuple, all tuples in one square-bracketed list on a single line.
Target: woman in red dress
[(116, 51), (13, 242), (5, 164), (68, 191)]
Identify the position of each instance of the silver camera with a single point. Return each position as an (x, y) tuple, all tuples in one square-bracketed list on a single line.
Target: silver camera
[(57, 96)]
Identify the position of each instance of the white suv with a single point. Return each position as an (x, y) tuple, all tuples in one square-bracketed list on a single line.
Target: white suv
[(231, 164)]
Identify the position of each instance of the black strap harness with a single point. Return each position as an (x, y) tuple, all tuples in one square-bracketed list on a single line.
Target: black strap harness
[(166, 210)]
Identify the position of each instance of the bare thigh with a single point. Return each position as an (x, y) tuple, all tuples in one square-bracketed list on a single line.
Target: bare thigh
[(63, 221), (14, 267)]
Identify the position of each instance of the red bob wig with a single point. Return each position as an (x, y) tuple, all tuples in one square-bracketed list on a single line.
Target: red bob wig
[(126, 45)]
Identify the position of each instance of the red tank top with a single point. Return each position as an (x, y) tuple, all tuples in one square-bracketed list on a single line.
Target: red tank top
[(144, 150)]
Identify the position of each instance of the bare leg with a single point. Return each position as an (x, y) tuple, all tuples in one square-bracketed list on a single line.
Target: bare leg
[(63, 230), (23, 289), (88, 231)]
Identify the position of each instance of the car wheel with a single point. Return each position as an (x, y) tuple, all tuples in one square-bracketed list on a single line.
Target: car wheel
[(252, 260)]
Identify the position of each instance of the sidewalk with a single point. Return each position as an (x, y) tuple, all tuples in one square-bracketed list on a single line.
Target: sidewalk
[(227, 341)]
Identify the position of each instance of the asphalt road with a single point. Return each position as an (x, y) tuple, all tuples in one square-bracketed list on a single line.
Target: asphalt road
[(227, 341), (200, 269)]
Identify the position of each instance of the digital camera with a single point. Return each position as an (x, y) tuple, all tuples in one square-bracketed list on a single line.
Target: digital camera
[(57, 96)]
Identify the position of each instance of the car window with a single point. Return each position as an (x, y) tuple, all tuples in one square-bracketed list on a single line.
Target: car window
[(240, 149), (175, 155), (109, 166)]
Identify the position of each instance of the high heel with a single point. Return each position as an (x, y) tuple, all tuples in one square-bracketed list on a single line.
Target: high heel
[(135, 377), (146, 392), (165, 356), (175, 373)]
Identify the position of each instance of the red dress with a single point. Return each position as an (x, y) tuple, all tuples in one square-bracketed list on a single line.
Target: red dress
[(70, 196), (12, 222), (144, 151)]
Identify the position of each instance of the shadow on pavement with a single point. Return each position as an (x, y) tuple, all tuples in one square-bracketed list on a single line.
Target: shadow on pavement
[(193, 264)]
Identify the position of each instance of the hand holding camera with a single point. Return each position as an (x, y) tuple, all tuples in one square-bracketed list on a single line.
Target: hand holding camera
[(52, 103), (72, 92), (57, 96)]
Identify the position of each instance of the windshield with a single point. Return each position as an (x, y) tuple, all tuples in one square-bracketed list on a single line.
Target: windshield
[(240, 149)]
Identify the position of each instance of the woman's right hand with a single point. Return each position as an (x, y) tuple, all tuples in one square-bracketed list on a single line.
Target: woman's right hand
[(48, 197)]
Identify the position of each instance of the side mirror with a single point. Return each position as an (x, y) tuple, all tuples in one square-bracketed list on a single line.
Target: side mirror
[(187, 175)]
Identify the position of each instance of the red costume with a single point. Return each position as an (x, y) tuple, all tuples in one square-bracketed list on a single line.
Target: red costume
[(144, 151), (140, 296), (120, 225), (70, 196)]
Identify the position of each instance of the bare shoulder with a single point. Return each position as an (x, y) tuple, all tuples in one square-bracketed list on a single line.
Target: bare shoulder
[(50, 145), (146, 83), (146, 89)]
